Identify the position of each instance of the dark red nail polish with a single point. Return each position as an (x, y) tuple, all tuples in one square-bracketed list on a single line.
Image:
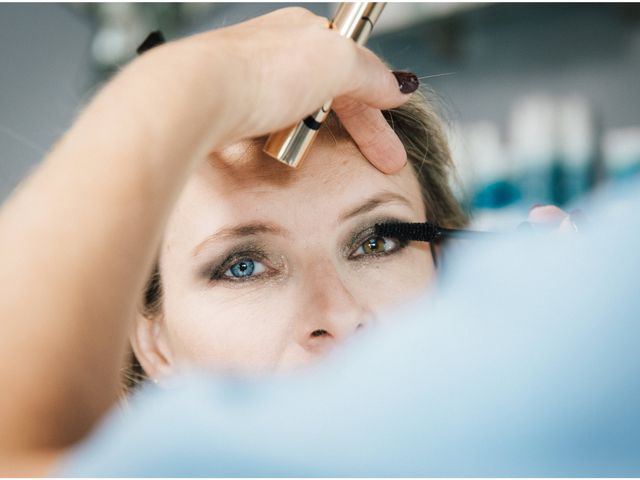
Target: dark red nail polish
[(407, 81), (154, 39)]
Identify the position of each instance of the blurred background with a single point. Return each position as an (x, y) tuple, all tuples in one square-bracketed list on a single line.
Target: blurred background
[(541, 101)]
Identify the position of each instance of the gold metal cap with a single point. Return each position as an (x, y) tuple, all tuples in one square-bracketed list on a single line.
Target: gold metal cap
[(290, 145)]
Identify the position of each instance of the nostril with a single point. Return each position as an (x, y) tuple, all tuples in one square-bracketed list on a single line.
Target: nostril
[(319, 333)]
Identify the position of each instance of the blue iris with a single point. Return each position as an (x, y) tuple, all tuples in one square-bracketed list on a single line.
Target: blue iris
[(243, 268)]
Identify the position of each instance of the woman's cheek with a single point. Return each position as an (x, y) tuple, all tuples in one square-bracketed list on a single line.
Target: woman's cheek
[(382, 283), (236, 327)]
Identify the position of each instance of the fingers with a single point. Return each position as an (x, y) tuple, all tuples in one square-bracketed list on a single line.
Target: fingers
[(283, 66), (552, 215), (373, 135), (379, 87), (375, 87), (547, 214)]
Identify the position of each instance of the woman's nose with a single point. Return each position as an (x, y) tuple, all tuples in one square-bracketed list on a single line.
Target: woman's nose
[(330, 313)]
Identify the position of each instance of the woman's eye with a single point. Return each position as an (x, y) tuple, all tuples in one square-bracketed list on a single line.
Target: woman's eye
[(375, 245), (245, 268)]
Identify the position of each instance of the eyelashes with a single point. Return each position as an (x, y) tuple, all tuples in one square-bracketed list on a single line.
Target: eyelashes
[(251, 262)]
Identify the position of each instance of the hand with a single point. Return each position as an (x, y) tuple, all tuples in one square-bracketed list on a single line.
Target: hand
[(272, 71)]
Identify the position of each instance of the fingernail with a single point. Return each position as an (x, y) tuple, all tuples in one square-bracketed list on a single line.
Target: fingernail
[(407, 81), (154, 39)]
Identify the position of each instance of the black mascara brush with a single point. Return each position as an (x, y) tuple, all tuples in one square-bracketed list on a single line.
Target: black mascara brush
[(426, 232)]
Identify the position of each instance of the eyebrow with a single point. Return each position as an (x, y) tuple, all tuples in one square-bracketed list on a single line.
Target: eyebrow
[(257, 228), (373, 203), (241, 231)]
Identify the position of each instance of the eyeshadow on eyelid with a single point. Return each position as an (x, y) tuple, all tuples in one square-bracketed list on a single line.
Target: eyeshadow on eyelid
[(240, 233)]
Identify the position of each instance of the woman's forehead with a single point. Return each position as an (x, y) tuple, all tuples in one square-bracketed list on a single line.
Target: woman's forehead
[(332, 166), (241, 184)]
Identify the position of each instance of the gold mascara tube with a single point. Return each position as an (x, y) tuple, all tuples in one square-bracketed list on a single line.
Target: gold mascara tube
[(290, 146)]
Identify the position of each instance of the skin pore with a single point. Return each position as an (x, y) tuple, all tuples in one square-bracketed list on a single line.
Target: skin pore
[(265, 267)]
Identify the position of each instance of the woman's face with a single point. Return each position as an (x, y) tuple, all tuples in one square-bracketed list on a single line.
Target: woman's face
[(265, 267)]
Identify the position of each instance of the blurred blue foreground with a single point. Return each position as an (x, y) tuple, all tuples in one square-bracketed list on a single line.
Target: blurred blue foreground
[(526, 364)]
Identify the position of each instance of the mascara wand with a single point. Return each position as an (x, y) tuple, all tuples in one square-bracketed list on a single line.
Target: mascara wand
[(427, 232)]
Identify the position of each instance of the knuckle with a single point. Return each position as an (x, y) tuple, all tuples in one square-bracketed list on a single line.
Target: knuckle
[(348, 109)]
